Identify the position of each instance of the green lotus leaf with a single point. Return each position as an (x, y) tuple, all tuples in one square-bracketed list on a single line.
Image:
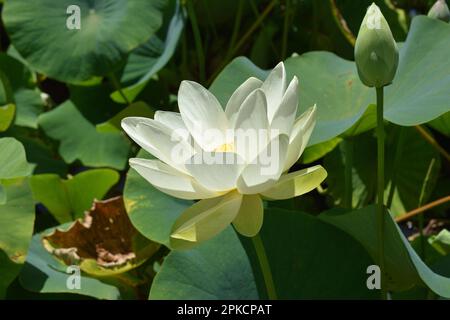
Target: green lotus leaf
[(13, 162), (16, 225), (441, 242), (367, 122), (29, 106), (298, 271), (73, 40), (16, 210), (404, 268), (146, 60), (7, 113), (18, 74), (13, 53), (19, 88), (216, 269), (69, 199), (420, 92), (310, 259), (81, 140)]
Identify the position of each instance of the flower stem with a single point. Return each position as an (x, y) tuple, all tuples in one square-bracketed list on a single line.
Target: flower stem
[(265, 267), (348, 146), (380, 187)]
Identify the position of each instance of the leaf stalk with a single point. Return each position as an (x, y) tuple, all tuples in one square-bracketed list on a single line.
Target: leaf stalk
[(265, 267)]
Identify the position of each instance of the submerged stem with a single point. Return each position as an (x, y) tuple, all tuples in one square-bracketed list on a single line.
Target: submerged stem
[(265, 267), (380, 186)]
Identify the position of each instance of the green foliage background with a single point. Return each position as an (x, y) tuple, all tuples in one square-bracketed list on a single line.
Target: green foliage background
[(64, 92)]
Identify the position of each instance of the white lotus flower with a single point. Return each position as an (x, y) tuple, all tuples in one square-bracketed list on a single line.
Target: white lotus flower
[(229, 191)]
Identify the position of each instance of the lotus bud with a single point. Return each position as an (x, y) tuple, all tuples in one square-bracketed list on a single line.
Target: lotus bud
[(440, 11), (376, 52)]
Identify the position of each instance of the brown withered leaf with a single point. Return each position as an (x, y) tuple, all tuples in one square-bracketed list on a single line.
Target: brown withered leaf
[(105, 235)]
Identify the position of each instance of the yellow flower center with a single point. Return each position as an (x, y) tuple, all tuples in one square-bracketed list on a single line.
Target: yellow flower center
[(226, 147)]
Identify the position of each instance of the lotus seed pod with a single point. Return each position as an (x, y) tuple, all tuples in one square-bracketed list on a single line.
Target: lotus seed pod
[(440, 11), (376, 52)]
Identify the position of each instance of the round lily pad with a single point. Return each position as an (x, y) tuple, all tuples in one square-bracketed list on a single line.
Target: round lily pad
[(74, 40)]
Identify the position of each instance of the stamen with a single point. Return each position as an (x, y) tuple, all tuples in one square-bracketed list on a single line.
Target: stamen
[(226, 147)]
